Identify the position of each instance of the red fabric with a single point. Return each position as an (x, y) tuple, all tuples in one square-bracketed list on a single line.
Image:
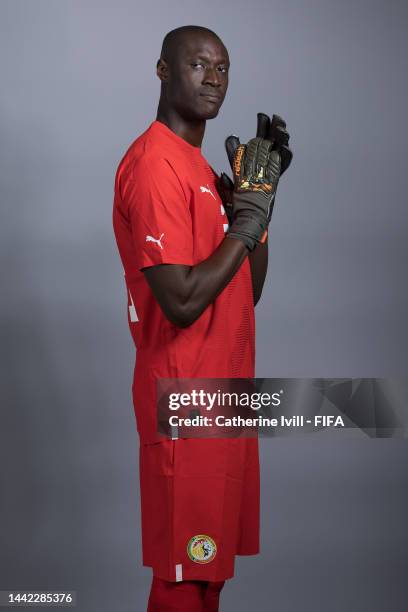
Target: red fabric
[(165, 191), (193, 487), (185, 596)]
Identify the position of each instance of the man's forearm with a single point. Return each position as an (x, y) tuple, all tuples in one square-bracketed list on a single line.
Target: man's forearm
[(184, 292), (258, 260), (206, 280)]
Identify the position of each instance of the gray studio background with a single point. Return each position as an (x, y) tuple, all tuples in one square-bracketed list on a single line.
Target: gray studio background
[(78, 84)]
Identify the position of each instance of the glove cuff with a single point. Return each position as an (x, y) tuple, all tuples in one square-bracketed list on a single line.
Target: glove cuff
[(248, 229)]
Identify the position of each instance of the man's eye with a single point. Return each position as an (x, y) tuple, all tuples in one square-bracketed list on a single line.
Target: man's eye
[(197, 64), (223, 69)]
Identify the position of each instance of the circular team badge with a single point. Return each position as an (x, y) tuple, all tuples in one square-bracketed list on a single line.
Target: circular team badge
[(201, 549)]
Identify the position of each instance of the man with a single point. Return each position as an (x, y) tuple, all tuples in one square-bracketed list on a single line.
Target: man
[(193, 276)]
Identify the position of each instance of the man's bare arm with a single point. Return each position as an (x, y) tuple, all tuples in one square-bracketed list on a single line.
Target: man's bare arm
[(184, 292)]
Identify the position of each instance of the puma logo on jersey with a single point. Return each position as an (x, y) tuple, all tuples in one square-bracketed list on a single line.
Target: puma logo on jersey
[(206, 189), (158, 240)]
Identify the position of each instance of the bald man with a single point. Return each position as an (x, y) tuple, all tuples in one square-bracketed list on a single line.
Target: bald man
[(191, 291)]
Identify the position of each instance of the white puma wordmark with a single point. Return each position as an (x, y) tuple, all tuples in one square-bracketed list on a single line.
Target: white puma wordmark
[(158, 240)]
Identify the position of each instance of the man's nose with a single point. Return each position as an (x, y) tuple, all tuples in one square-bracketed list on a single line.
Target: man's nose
[(212, 76)]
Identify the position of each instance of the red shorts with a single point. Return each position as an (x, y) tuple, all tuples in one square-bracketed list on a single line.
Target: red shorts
[(199, 506)]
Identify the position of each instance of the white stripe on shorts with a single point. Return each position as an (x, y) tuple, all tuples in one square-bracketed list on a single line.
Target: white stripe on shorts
[(179, 573)]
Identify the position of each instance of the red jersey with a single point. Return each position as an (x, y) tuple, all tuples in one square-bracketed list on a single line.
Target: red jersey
[(167, 210)]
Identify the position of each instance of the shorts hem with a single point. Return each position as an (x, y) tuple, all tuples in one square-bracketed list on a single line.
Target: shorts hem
[(187, 577)]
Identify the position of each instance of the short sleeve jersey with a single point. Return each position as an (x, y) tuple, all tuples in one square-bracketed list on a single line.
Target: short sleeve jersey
[(167, 211)]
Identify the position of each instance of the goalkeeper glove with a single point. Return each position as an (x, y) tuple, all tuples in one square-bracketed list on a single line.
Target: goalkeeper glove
[(256, 168), (274, 131)]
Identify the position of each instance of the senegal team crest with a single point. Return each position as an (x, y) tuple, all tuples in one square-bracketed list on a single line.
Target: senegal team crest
[(201, 549)]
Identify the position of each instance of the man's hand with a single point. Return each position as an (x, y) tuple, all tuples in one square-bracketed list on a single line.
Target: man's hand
[(256, 167), (225, 187), (275, 131)]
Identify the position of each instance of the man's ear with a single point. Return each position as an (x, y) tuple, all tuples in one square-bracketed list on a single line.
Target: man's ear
[(162, 69)]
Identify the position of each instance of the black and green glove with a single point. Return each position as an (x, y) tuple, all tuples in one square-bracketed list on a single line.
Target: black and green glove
[(256, 171), (274, 131)]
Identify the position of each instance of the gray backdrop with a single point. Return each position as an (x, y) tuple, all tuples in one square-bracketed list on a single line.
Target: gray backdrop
[(78, 84)]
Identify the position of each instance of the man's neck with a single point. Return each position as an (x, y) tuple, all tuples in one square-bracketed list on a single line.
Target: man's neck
[(191, 131)]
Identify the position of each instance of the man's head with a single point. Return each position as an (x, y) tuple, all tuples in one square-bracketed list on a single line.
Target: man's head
[(193, 69)]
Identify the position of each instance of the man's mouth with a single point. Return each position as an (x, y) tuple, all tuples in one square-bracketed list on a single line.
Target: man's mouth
[(211, 96)]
